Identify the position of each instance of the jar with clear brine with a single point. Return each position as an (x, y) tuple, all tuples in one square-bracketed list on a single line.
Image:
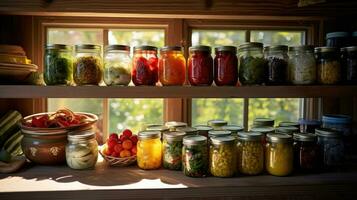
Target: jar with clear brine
[(88, 66), (306, 152), (117, 65), (252, 65), (145, 66), (223, 156), (172, 66), (277, 59), (250, 153), (328, 65), (200, 66), (149, 153), (331, 147), (172, 150), (302, 66), (195, 156), (226, 66), (279, 154), (349, 64), (58, 65)]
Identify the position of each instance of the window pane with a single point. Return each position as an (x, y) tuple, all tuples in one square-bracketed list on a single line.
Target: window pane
[(289, 38), (215, 38), (72, 36)]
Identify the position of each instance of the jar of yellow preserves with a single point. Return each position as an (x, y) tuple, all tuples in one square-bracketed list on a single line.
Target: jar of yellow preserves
[(279, 154), (250, 151), (223, 156), (149, 151)]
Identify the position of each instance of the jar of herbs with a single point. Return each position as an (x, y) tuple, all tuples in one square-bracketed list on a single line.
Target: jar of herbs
[(172, 66), (58, 65), (117, 65), (252, 65), (145, 66), (226, 66), (250, 153), (172, 150), (149, 153), (302, 66), (217, 124), (223, 156), (200, 66), (306, 152), (195, 156), (277, 58), (328, 65), (331, 147), (349, 64)]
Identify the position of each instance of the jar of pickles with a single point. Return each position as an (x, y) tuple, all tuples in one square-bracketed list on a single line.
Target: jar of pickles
[(173, 125), (117, 65), (250, 153), (349, 60), (226, 66), (172, 66), (252, 65), (302, 66), (88, 66), (328, 65), (58, 65), (279, 154), (200, 66), (277, 58), (172, 150), (217, 124), (223, 156), (145, 66), (331, 147), (81, 149), (195, 156), (188, 130), (234, 129), (149, 153), (218, 133), (306, 152), (203, 130)]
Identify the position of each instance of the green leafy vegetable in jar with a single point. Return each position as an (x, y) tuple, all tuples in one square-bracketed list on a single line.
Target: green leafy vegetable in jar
[(223, 156), (172, 150), (252, 70), (195, 156)]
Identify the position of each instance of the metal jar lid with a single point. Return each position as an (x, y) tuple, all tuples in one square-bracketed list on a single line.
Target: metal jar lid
[(194, 140), (203, 128), (58, 47), (262, 121), (174, 124), (174, 136), (305, 137), (217, 122), (223, 140), (232, 49), (233, 128), (187, 130), (219, 133), (82, 135), (326, 49), (284, 124), (117, 47), (149, 135), (276, 48), (145, 48), (336, 34), (249, 45), (308, 48), (330, 133), (279, 138), (250, 136), (200, 48), (349, 49), (160, 128), (287, 129), (263, 129), (87, 47), (171, 48)]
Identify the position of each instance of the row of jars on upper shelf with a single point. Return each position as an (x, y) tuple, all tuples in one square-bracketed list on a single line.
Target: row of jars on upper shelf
[(276, 65)]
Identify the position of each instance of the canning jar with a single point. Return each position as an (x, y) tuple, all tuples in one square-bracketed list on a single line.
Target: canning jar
[(117, 65), (195, 156), (218, 133), (294, 124), (250, 153), (290, 130), (279, 154), (328, 65), (349, 64), (149, 151), (188, 130), (81, 149), (331, 147), (252, 65), (309, 126), (145, 66), (302, 66), (337, 39), (223, 156), (172, 66), (58, 65), (200, 66), (277, 58), (264, 130), (172, 150), (88, 66), (226, 66), (234, 129), (203, 130), (173, 125), (306, 152), (341, 123), (161, 128), (263, 122), (217, 124)]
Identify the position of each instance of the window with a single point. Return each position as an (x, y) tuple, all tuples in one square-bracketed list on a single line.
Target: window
[(289, 38)]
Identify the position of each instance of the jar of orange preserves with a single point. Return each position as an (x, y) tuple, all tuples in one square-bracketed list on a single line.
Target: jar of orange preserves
[(172, 66)]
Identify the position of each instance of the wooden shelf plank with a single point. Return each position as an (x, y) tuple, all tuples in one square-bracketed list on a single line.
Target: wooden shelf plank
[(28, 91)]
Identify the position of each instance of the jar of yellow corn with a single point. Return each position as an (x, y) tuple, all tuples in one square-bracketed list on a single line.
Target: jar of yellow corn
[(250, 153), (223, 156)]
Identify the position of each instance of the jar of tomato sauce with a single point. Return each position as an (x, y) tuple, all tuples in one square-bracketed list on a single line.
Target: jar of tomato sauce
[(145, 66), (226, 66), (200, 66), (172, 66)]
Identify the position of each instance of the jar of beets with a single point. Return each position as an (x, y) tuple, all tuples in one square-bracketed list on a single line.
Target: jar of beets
[(145, 66), (200, 66), (226, 66)]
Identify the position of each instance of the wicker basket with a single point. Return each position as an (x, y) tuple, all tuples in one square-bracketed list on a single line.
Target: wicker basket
[(119, 162)]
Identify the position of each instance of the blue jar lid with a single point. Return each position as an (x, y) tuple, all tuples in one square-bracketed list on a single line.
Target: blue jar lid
[(354, 34), (336, 34), (310, 122), (337, 119)]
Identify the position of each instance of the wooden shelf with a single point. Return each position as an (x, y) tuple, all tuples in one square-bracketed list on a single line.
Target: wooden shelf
[(28, 91)]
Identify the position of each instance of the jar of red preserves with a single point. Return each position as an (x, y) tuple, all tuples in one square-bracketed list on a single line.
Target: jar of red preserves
[(145, 66), (306, 152), (226, 66), (200, 66), (172, 66)]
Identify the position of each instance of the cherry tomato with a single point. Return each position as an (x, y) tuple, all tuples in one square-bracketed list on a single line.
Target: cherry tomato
[(127, 133)]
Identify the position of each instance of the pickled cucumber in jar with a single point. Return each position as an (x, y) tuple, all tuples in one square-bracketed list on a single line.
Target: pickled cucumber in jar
[(223, 156), (250, 153)]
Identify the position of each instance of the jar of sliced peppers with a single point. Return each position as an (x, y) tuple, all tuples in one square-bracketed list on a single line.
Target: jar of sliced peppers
[(172, 66), (195, 156), (226, 66), (172, 150), (200, 66), (145, 66)]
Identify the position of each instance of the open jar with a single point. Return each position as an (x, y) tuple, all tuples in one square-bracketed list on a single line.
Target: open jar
[(145, 66), (277, 58), (226, 66), (223, 156), (200, 66), (172, 66), (117, 65), (250, 153), (328, 65), (302, 66)]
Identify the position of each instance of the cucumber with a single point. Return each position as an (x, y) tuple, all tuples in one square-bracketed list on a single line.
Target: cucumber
[(9, 126), (7, 117), (11, 144)]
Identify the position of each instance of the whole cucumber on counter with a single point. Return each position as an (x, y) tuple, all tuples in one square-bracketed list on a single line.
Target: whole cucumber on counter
[(9, 126)]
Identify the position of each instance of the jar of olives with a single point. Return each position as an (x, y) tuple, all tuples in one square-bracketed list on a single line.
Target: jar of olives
[(149, 153), (226, 66), (302, 66), (223, 156), (277, 58), (306, 152), (117, 65), (250, 153), (328, 65), (217, 124), (203, 130), (195, 156), (200, 66), (172, 150), (145, 66), (279, 154), (331, 147)]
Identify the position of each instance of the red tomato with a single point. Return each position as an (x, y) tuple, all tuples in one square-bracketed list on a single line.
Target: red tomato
[(113, 136), (112, 143), (127, 144), (134, 139), (118, 148), (127, 133), (123, 138), (114, 154), (133, 150)]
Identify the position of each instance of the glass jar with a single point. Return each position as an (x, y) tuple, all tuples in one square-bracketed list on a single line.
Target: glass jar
[(290, 130), (58, 65), (277, 58), (309, 126), (306, 152), (217, 124), (279, 154), (195, 156), (302, 66), (349, 64), (172, 150), (81, 149), (328, 65), (149, 153), (234, 129), (200, 66), (145, 66), (203, 130), (172, 66), (337, 39), (226, 66), (331, 147), (264, 130), (252, 65), (250, 153), (117, 65), (173, 125), (294, 124), (188, 130), (88, 66), (341, 123), (218, 133), (263, 122), (161, 128), (223, 156)]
